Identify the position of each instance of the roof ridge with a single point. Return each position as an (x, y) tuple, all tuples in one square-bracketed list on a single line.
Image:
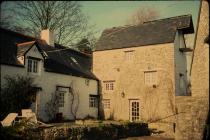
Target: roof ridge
[(24, 43), (174, 17), (130, 25)]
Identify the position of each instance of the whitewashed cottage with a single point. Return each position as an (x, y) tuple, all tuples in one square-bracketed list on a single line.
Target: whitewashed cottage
[(55, 70)]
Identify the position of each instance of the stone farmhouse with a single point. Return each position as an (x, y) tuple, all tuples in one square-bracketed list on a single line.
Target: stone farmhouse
[(54, 69), (142, 68), (136, 73)]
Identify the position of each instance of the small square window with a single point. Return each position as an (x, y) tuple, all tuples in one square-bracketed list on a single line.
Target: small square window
[(109, 85), (129, 55), (87, 81), (150, 78), (106, 103), (93, 101)]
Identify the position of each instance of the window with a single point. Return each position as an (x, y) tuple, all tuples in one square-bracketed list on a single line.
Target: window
[(106, 103), (109, 85), (150, 78), (61, 98), (87, 82), (93, 101), (32, 66), (62, 91), (129, 55)]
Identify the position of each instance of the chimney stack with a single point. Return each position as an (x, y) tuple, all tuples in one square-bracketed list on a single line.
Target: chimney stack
[(48, 36)]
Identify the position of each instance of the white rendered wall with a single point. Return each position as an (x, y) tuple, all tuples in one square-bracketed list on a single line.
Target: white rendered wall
[(48, 82), (180, 65)]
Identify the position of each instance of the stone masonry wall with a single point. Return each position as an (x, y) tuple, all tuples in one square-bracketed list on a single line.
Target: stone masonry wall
[(155, 103), (193, 110)]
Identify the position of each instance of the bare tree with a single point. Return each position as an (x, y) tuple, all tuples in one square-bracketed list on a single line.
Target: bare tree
[(142, 15), (65, 18)]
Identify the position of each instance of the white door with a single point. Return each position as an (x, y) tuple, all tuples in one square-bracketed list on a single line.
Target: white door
[(134, 108)]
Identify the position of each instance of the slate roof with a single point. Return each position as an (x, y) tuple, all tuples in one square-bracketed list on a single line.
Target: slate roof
[(22, 48), (148, 33), (65, 61)]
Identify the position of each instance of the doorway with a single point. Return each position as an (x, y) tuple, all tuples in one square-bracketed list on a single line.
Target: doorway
[(134, 107)]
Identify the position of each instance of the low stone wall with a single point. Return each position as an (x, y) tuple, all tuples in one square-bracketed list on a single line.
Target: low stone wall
[(162, 129), (87, 132)]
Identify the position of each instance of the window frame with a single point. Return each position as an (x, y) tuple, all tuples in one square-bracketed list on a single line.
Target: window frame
[(93, 101), (109, 85), (129, 55), (106, 103), (61, 90), (61, 101), (33, 65), (87, 82), (152, 77)]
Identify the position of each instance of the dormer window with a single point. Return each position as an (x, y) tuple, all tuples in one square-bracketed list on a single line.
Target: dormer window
[(33, 65)]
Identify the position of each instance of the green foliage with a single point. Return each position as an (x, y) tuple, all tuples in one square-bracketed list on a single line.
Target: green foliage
[(105, 132), (21, 130), (17, 93)]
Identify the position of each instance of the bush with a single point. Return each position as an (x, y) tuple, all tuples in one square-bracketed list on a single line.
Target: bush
[(102, 132), (17, 93), (23, 130)]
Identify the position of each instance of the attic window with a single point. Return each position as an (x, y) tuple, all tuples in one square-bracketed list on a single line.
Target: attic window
[(32, 66)]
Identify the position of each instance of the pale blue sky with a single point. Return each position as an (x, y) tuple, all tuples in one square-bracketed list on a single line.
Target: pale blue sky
[(107, 14)]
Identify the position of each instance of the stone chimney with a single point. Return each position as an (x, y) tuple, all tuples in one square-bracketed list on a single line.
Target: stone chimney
[(48, 36)]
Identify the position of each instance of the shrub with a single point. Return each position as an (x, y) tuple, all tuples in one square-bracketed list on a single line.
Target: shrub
[(17, 93)]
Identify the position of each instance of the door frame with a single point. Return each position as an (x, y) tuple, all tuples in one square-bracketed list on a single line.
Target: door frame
[(130, 108)]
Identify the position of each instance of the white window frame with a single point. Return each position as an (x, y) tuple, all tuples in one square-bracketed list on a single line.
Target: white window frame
[(150, 78), (61, 91), (61, 100), (129, 55), (33, 66), (109, 85), (93, 102), (106, 103)]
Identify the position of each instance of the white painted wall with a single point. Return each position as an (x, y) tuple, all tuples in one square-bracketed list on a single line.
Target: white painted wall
[(180, 65), (48, 81)]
